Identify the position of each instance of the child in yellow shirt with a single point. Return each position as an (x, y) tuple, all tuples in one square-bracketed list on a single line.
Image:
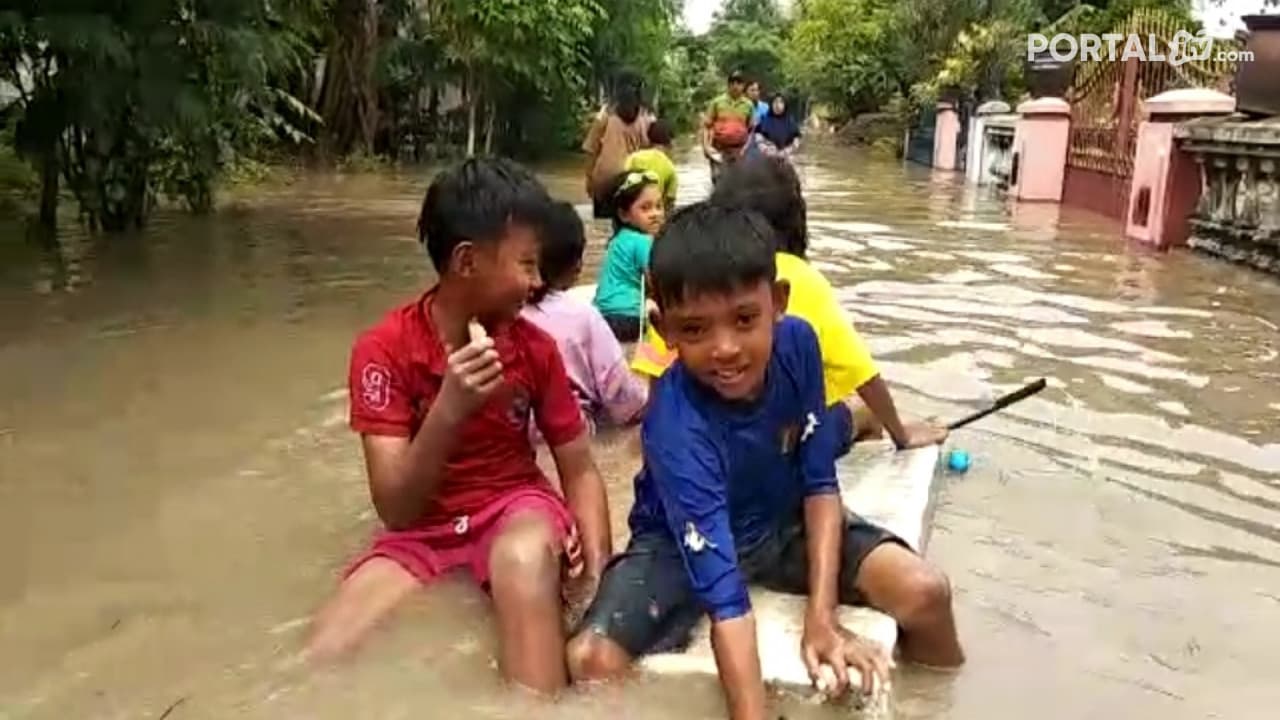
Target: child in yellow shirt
[(657, 159), (770, 186)]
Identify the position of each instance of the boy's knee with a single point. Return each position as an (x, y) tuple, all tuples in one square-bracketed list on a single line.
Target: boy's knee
[(927, 596), (523, 557), (593, 658)]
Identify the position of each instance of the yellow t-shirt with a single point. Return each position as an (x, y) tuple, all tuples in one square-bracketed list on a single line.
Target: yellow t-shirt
[(657, 162), (846, 361)]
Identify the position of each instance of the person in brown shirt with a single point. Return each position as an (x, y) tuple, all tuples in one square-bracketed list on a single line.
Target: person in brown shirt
[(617, 131)]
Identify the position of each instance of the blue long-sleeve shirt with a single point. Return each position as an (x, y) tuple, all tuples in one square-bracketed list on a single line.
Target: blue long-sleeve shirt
[(721, 476)]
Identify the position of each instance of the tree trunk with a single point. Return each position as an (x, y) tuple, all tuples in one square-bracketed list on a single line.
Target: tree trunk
[(49, 170), (488, 127), (348, 96), (434, 126), (472, 102)]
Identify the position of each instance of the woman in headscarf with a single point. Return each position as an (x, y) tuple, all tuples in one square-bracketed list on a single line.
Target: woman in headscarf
[(617, 131), (777, 133)]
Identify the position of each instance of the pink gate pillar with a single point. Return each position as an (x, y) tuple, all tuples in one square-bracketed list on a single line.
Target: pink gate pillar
[(946, 136), (1040, 150), (1166, 181)]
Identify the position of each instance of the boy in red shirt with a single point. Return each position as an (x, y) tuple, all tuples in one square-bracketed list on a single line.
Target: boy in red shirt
[(442, 393)]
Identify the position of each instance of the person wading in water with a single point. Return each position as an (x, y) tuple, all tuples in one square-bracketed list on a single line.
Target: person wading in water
[(618, 130), (727, 126)]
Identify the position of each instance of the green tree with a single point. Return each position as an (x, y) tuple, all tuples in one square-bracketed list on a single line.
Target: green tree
[(759, 12), (748, 36), (126, 101), (845, 53), (498, 47), (348, 99), (688, 81), (750, 48), (634, 36)]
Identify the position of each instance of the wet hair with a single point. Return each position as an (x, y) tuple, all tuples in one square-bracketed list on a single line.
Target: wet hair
[(709, 248), (563, 242), (660, 133), (737, 77), (475, 201), (627, 90), (621, 200), (769, 186)]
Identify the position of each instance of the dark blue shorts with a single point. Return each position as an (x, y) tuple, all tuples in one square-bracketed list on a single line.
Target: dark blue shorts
[(646, 603)]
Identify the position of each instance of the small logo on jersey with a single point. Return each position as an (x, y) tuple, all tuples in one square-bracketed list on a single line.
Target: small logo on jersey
[(375, 387), (810, 425), (695, 541), (461, 524), (792, 435), (518, 412)]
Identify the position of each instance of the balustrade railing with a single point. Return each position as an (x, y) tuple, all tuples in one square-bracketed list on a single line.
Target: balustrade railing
[(1238, 215)]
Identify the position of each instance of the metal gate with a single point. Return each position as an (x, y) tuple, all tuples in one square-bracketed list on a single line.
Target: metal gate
[(1106, 100), (920, 140)]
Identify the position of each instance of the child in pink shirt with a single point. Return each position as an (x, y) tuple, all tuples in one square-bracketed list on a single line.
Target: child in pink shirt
[(607, 390)]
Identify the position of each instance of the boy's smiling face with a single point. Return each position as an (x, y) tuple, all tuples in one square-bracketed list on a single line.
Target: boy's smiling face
[(502, 274), (725, 339)]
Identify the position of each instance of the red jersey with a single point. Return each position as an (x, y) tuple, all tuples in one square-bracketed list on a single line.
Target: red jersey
[(397, 368)]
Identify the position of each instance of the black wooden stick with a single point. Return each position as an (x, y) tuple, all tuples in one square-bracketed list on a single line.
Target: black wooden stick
[(1016, 396)]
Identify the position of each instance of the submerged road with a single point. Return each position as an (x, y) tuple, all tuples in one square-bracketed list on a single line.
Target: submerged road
[(178, 487)]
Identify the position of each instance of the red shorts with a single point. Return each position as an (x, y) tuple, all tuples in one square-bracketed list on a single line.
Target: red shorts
[(466, 540)]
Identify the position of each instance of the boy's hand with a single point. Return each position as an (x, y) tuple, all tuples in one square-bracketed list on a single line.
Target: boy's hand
[(473, 373), (923, 434), (573, 561), (652, 315), (579, 585), (828, 650)]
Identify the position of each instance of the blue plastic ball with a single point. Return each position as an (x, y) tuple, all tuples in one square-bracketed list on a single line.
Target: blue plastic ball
[(958, 461)]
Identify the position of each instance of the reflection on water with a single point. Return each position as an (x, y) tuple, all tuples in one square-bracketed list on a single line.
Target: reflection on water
[(178, 488)]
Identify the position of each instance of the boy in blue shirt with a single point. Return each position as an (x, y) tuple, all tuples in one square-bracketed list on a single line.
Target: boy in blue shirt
[(739, 485)]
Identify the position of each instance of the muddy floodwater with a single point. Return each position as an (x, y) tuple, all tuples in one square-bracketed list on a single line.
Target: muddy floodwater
[(178, 488)]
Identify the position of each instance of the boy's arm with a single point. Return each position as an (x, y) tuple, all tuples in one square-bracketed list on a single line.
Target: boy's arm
[(560, 420), (738, 662), (823, 641), (405, 474), (690, 477), (875, 393), (584, 492)]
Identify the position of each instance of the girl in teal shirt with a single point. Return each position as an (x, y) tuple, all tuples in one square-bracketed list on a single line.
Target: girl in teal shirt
[(637, 207)]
